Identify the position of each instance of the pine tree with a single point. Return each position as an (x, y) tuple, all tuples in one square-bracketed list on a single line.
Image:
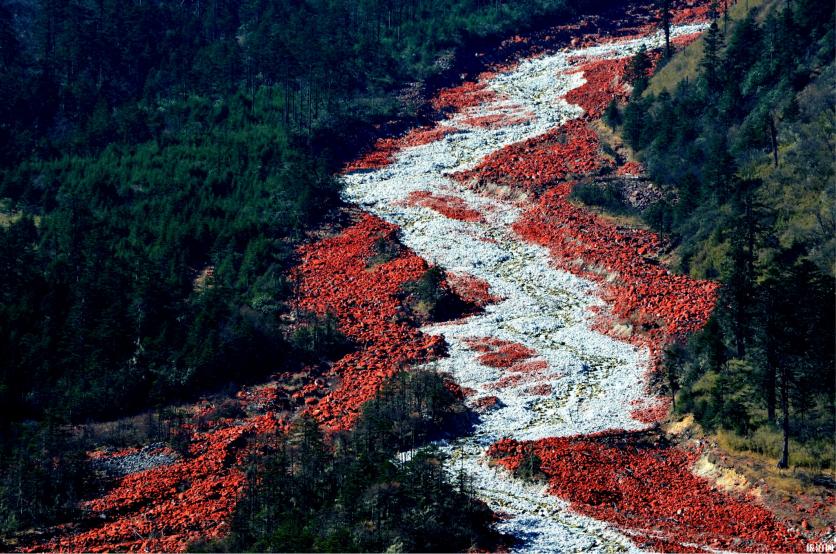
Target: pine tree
[(665, 19), (638, 69), (711, 59)]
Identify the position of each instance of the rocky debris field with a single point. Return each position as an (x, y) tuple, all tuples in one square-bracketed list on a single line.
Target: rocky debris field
[(574, 312), (335, 277), (558, 365), (164, 507), (132, 460), (647, 488)]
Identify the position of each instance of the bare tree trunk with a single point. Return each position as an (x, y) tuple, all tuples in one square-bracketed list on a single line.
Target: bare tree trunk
[(773, 136), (770, 391), (783, 463)]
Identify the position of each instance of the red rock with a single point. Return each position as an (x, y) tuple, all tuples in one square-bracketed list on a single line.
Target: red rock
[(649, 491), (571, 149), (466, 95), (448, 206), (499, 353), (334, 277), (472, 289)]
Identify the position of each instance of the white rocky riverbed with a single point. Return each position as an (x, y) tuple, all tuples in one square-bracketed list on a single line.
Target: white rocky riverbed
[(596, 381)]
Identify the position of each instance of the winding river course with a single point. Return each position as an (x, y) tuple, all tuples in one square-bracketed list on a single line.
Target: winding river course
[(550, 356), (557, 363)]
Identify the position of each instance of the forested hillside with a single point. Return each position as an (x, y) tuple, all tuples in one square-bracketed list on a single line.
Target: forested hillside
[(311, 275), (160, 160), (745, 148)]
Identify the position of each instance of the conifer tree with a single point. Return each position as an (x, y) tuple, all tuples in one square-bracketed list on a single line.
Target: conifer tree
[(710, 64)]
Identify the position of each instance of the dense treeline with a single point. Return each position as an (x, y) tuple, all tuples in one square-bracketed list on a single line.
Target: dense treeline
[(746, 150), (79, 74), (367, 490), (159, 161), (148, 142)]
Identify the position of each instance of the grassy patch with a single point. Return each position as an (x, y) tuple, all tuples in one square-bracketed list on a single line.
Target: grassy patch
[(815, 454), (607, 196), (685, 64)]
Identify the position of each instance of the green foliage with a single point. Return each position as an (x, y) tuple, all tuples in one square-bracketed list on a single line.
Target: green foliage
[(412, 408), (531, 466), (319, 338), (747, 150), (429, 299), (607, 196), (612, 115), (638, 70), (385, 250), (817, 454), (44, 476), (159, 163), (123, 276), (359, 493)]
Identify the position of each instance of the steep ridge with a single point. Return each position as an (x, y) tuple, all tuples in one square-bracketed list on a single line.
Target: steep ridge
[(583, 313)]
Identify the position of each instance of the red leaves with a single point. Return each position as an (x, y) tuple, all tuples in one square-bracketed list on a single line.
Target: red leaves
[(571, 149), (647, 488), (604, 81), (656, 302), (463, 96), (631, 169), (471, 289), (448, 206), (334, 277), (384, 150)]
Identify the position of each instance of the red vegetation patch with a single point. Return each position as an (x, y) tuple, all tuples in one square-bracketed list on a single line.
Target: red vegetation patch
[(455, 389), (496, 121), (487, 403), (420, 136), (630, 169), (381, 155), (653, 413), (509, 381), (543, 389), (334, 277), (697, 14), (499, 353), (648, 489), (168, 507), (531, 366), (121, 453), (466, 95), (448, 206), (659, 303), (384, 150), (604, 81), (472, 289), (684, 40), (571, 149)]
